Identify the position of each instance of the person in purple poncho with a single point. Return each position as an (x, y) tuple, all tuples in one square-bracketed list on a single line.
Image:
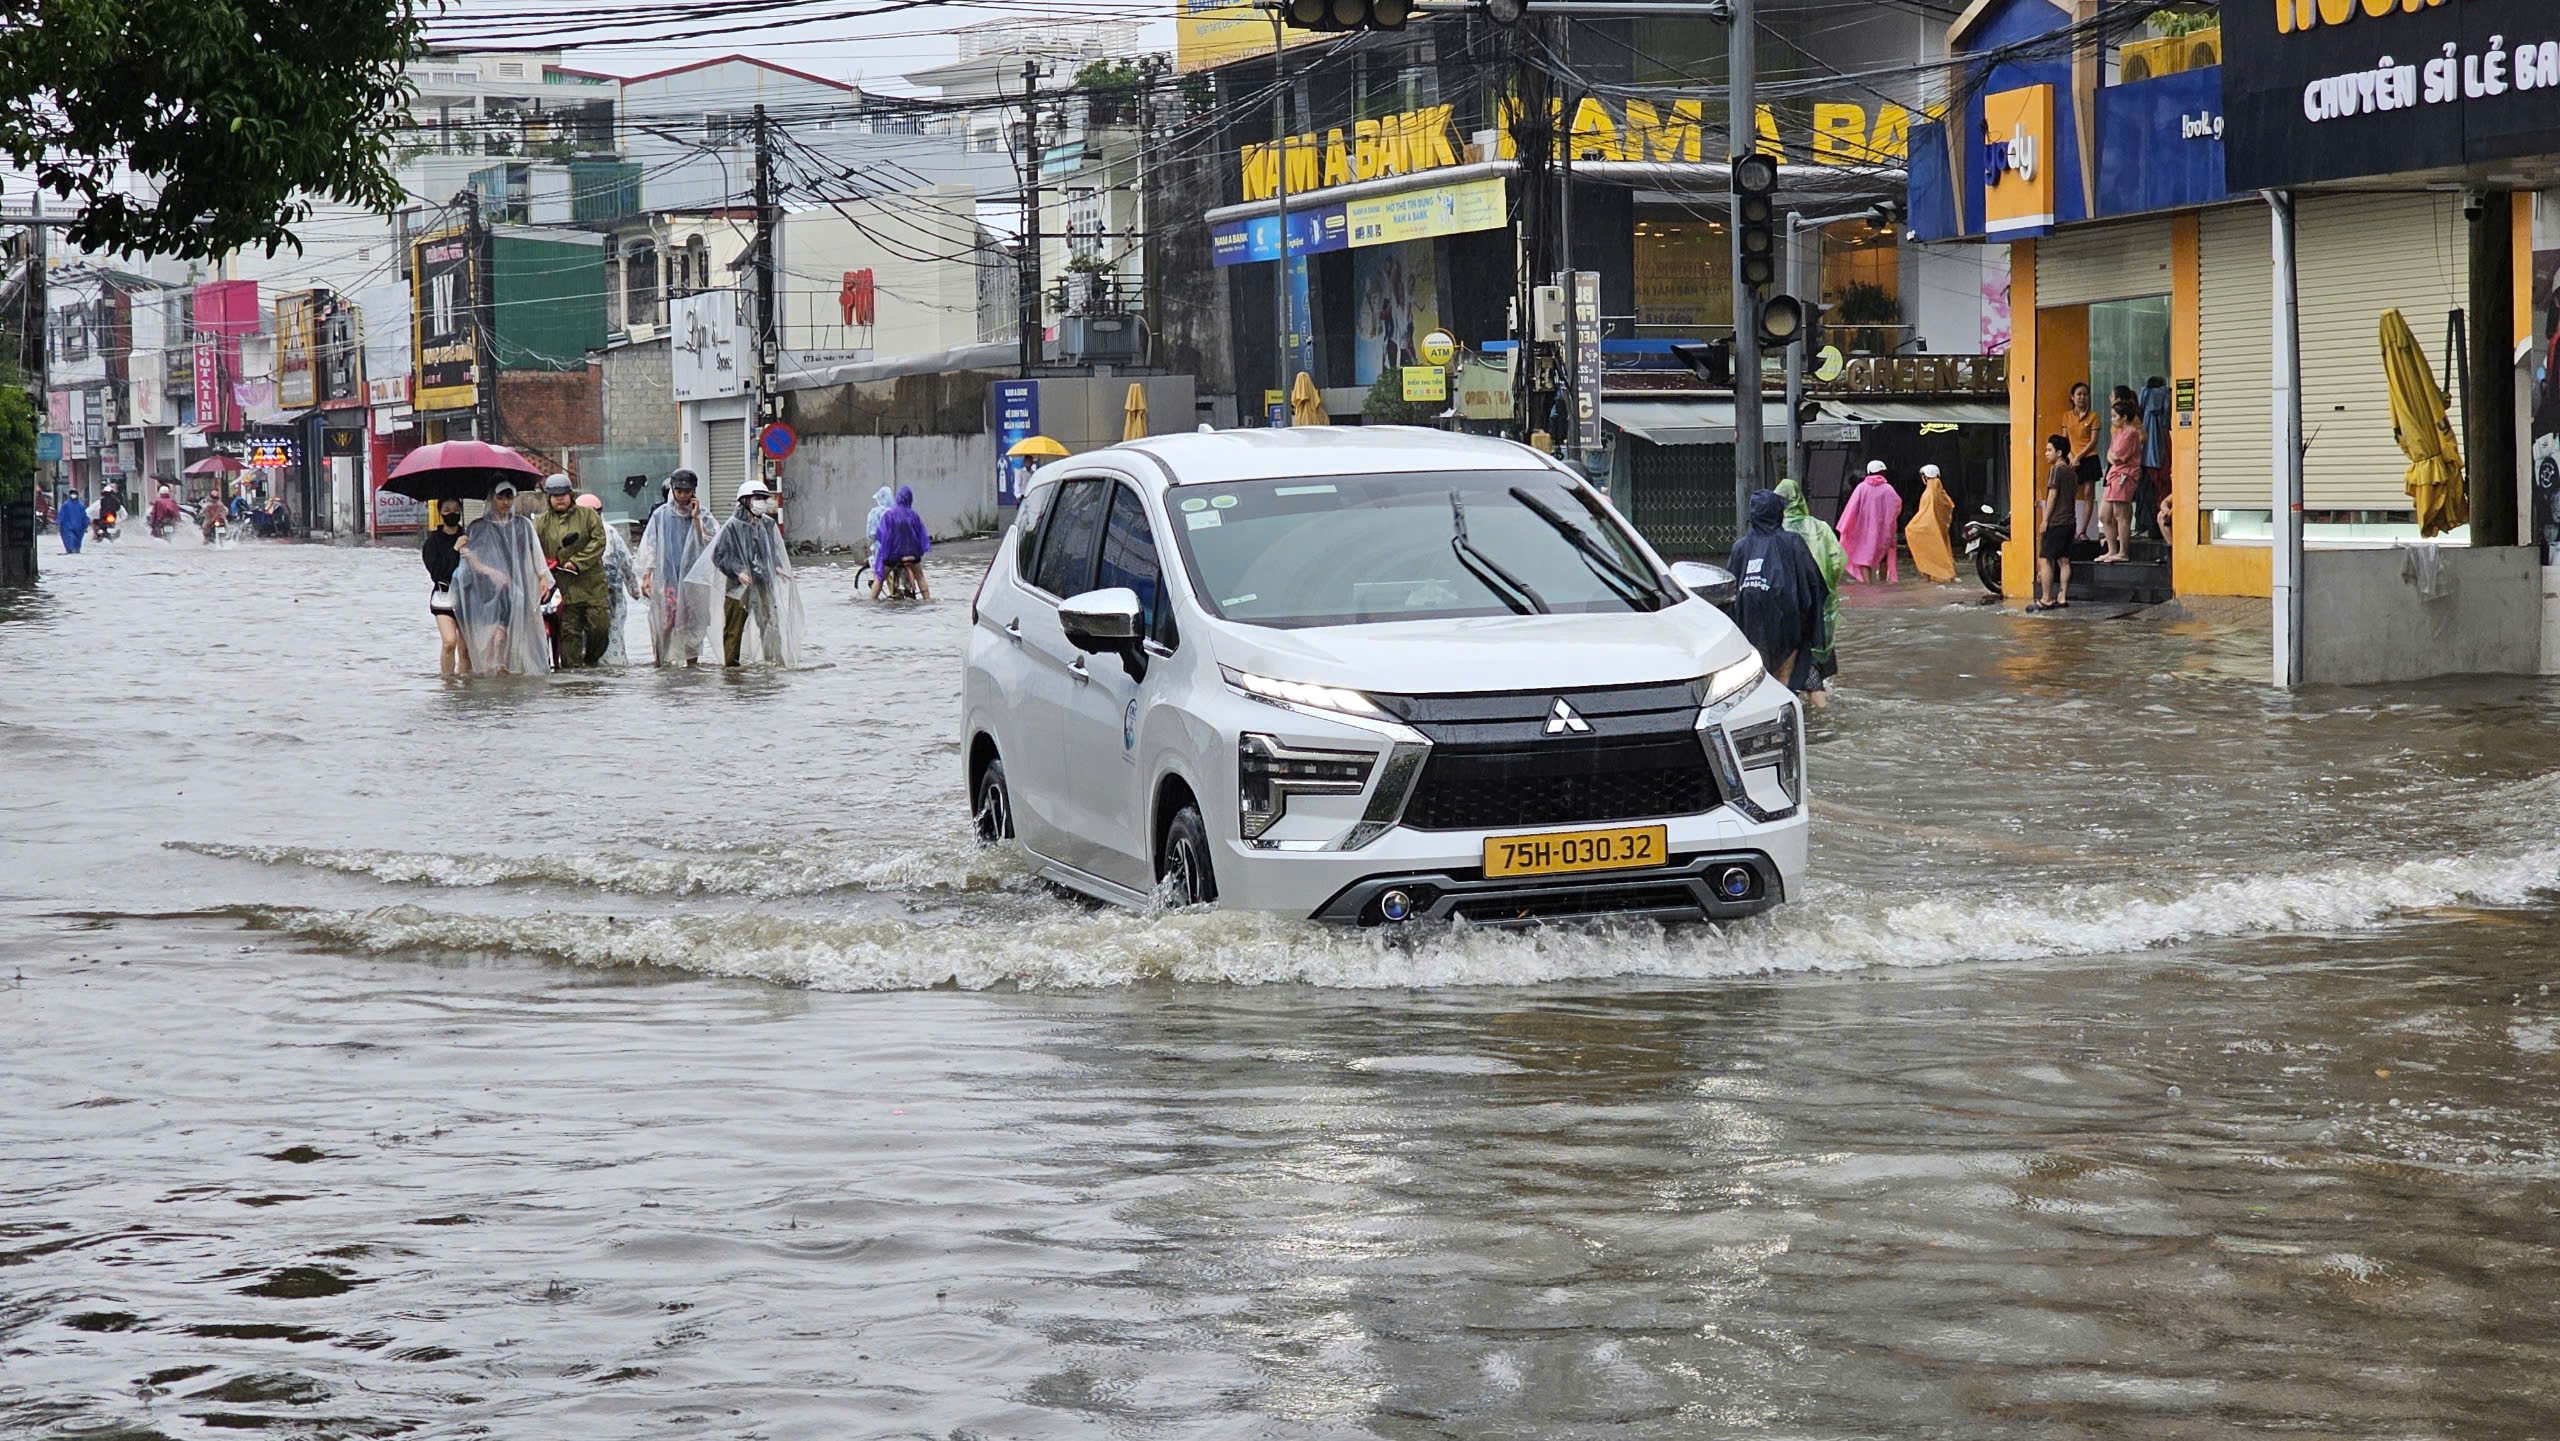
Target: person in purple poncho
[(902, 544), (1868, 524)]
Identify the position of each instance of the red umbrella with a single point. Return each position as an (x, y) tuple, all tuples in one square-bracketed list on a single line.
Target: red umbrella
[(459, 470), (217, 465)]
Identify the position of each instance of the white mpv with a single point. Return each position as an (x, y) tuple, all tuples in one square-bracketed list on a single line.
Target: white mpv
[(1370, 676)]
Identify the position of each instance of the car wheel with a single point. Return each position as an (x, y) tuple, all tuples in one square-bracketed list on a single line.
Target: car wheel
[(992, 809), (1184, 876)]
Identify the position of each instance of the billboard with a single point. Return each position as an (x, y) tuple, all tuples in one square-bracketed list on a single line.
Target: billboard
[(1214, 32), (297, 384), (337, 350), (444, 293), (706, 345)]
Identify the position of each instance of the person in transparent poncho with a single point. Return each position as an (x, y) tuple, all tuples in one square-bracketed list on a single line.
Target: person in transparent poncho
[(621, 581), (678, 533), (498, 592), (746, 578)]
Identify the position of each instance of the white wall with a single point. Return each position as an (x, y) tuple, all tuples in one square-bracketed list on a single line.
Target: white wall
[(924, 304), (829, 480)]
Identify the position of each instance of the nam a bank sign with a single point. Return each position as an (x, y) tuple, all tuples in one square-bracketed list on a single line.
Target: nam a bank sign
[(1840, 133)]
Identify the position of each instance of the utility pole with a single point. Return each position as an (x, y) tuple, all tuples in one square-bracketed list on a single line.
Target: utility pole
[(1532, 132), (484, 375), (1280, 346), (1569, 372), (1796, 357), (1741, 116), (2285, 421), (1152, 298), (1028, 259), (768, 326)]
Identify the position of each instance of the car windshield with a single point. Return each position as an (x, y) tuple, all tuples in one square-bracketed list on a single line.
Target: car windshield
[(1347, 550)]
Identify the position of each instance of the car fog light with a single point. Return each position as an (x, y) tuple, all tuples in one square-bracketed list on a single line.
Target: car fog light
[(1395, 906), (1735, 882)]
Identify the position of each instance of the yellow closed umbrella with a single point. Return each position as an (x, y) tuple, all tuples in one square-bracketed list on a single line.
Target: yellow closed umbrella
[(1133, 415), (1306, 403), (2418, 422)]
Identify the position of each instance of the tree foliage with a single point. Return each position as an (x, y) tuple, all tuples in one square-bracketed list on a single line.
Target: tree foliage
[(17, 438), (193, 128)]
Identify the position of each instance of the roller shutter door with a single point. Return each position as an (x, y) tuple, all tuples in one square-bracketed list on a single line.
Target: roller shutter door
[(726, 463), (2236, 293), (2357, 256), (2360, 255), (2114, 262)]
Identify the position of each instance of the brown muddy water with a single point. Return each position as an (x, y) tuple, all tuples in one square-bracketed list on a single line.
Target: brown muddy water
[(649, 1054)]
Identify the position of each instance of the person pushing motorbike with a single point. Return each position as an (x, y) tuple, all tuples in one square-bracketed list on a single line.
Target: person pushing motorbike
[(573, 545)]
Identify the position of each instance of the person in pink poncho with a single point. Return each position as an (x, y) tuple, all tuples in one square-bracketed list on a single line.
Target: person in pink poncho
[(1868, 525)]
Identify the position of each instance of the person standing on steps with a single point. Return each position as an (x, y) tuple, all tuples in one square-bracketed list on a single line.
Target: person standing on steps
[(2124, 477), (2080, 426), (573, 545), (2055, 531)]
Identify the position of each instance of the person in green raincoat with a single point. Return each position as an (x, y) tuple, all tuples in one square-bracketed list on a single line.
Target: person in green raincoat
[(1834, 563)]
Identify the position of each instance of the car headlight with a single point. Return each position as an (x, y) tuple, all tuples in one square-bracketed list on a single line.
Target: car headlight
[(1734, 680), (1269, 772), (1301, 693)]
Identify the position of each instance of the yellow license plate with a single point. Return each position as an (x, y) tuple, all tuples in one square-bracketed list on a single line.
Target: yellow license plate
[(1563, 852)]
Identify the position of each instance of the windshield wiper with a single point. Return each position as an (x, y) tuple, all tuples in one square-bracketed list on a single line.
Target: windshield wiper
[(1629, 586), (1514, 591)]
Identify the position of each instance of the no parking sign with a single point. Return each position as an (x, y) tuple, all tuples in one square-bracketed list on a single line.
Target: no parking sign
[(778, 441)]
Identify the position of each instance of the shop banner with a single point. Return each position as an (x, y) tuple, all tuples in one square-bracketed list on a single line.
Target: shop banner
[(1017, 420), (2164, 143), (2315, 90), (1586, 362), (1354, 224), (447, 348), (1313, 230), (338, 335), (1423, 214)]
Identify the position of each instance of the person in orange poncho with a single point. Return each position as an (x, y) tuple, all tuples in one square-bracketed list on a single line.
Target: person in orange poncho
[(1928, 534)]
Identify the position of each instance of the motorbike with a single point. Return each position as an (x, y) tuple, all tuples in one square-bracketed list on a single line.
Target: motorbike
[(1984, 535), (104, 528)]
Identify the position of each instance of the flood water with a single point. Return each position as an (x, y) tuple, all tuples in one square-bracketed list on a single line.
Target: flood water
[(642, 1054)]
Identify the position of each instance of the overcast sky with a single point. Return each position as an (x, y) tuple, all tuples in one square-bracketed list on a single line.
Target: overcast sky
[(873, 50)]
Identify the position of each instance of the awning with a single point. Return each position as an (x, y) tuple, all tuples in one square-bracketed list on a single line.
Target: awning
[(1916, 409), (1700, 421)]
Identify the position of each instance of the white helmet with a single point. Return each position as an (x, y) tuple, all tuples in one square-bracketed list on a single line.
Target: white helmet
[(754, 486)]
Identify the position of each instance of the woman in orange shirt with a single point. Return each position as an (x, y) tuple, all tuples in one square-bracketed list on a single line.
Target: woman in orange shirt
[(2080, 427)]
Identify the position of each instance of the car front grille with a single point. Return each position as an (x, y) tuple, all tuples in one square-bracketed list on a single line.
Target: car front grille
[(1561, 782), (1498, 758)]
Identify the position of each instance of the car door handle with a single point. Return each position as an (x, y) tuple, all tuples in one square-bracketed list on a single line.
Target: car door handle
[(1013, 630), (1076, 668)]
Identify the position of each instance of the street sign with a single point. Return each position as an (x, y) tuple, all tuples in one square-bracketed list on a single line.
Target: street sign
[(1275, 408), (1439, 348), (1425, 382), (778, 441), (49, 445)]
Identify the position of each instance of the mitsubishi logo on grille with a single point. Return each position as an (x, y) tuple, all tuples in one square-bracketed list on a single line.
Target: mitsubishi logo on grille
[(1563, 721)]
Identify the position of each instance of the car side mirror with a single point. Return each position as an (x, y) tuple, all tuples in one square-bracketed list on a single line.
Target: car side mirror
[(1104, 622), (1711, 583)]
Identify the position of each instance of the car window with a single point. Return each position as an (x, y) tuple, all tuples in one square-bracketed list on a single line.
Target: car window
[(1355, 549), (1066, 546), (1129, 558), (1026, 526)]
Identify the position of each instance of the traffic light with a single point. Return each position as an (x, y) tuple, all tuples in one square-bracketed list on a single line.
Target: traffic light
[(1755, 216), (1347, 14), (1709, 360), (1785, 321)]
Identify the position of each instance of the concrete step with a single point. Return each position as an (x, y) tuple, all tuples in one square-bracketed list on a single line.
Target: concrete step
[(2133, 581)]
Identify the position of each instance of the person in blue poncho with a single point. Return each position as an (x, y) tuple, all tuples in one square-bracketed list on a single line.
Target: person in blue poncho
[(1779, 603), (902, 543), (75, 523)]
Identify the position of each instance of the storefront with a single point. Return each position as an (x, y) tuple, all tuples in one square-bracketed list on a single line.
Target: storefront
[(2160, 258)]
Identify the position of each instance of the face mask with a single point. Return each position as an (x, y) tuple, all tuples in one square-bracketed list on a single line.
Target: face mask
[(764, 505)]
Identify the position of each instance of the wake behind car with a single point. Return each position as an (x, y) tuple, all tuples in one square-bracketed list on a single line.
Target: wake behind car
[(1370, 676)]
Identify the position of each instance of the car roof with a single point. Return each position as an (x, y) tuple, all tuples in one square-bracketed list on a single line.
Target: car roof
[(1215, 457)]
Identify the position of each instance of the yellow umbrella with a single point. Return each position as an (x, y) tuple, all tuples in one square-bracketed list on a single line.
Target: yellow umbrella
[(1037, 447), (1306, 403), (1133, 416), (2426, 437)]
